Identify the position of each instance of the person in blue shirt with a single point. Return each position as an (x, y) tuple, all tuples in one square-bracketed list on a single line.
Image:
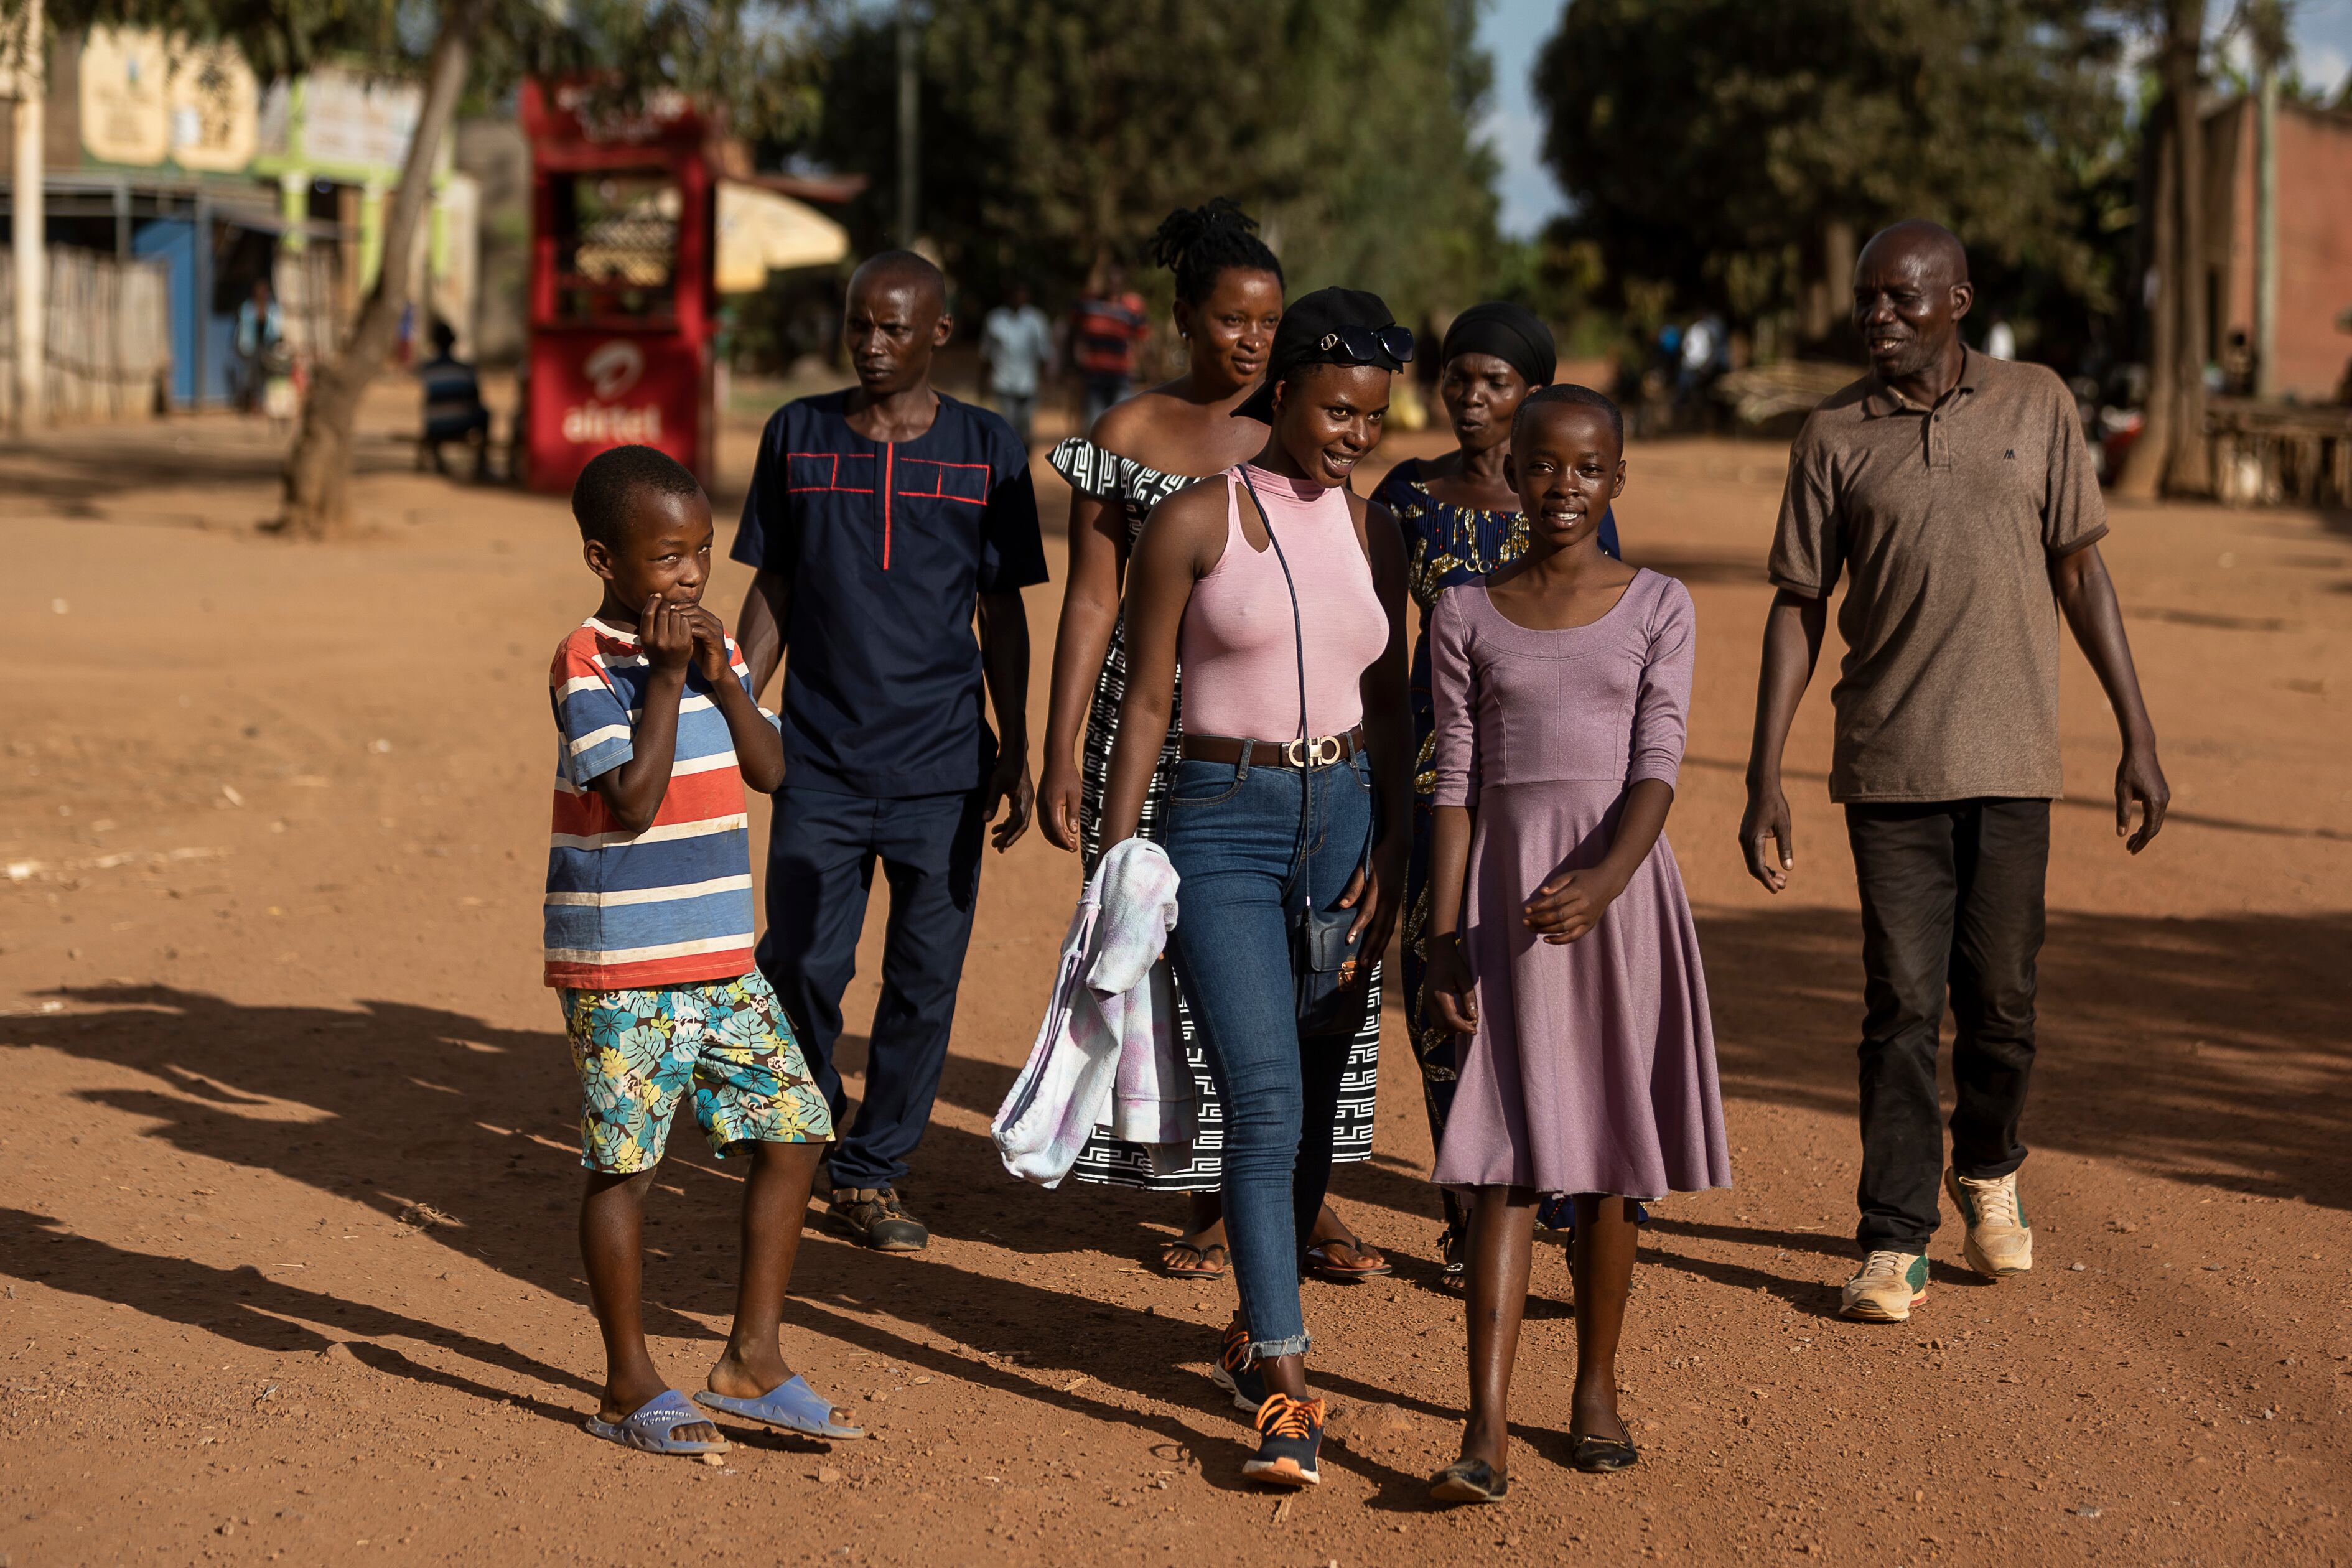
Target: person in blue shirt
[(879, 519), (454, 410)]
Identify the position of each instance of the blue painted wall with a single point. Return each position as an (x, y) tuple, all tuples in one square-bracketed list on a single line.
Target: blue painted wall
[(174, 239)]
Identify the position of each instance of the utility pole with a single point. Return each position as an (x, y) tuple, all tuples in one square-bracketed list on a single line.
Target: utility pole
[(910, 116), (27, 215), (2266, 21)]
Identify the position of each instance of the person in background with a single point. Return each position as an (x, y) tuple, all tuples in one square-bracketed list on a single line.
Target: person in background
[(1954, 495), (1705, 355), (2237, 363), (453, 404), (882, 521), (1228, 306), (1014, 346), (259, 331), (1461, 520), (1104, 332)]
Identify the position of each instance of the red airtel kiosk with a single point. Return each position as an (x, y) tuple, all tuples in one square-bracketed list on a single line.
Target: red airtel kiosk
[(623, 309)]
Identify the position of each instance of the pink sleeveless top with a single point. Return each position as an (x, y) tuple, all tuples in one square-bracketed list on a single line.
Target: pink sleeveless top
[(1237, 645)]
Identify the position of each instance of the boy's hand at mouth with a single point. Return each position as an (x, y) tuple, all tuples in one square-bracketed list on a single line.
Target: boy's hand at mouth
[(710, 644), (666, 633)]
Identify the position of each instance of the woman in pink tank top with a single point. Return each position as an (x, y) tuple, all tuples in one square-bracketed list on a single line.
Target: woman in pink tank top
[(1289, 819)]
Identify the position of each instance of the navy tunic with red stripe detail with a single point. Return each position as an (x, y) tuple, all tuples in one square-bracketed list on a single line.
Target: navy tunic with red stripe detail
[(887, 545)]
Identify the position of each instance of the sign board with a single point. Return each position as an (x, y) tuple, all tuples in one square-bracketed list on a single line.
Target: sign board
[(146, 98), (125, 117), (356, 121), (591, 391), (214, 103)]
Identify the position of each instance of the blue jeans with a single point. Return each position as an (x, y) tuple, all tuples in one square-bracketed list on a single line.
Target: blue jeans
[(1234, 838)]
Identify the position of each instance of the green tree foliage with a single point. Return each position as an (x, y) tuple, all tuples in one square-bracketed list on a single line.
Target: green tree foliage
[(1709, 146), (1056, 131)]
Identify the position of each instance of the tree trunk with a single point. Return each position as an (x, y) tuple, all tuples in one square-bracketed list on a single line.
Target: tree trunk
[(2144, 463), (2190, 470), (2171, 454), (319, 467)]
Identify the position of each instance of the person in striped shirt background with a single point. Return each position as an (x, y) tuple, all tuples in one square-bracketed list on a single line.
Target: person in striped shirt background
[(649, 937)]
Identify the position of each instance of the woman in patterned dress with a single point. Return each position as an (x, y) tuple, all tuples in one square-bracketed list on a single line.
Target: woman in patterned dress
[(1228, 302), (1461, 520)]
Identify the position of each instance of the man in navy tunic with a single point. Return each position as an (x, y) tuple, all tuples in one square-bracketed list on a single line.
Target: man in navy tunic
[(882, 519)]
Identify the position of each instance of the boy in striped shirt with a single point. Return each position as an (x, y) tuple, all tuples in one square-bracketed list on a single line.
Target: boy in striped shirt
[(649, 946)]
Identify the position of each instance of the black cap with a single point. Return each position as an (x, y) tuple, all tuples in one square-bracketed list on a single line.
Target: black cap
[(1304, 337)]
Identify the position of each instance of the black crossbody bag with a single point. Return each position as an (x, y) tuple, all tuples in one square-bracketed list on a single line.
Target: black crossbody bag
[(1325, 952)]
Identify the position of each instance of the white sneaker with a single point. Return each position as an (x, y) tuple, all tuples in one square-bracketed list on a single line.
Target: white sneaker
[(1886, 1287), (2000, 1242)]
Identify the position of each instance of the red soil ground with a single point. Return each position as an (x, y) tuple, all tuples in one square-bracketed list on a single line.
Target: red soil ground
[(287, 1202)]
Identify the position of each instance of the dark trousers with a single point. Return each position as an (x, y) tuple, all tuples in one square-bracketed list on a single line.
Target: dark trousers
[(1951, 896), (1102, 392), (821, 853)]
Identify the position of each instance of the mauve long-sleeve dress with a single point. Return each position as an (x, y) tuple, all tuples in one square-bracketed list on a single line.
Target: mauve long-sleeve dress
[(1592, 1069)]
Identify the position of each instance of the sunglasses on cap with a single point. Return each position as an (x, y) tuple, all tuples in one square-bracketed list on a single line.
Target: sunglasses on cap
[(1368, 345)]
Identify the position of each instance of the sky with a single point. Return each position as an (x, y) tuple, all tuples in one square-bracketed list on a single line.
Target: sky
[(1512, 31)]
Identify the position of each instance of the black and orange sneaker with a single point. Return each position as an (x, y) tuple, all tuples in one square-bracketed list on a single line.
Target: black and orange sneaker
[(1236, 1373), (1290, 1433)]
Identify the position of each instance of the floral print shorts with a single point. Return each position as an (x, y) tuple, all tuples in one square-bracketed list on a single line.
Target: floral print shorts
[(638, 1052)]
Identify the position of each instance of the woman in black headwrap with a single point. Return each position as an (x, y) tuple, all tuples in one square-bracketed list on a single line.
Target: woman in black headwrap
[(1461, 520)]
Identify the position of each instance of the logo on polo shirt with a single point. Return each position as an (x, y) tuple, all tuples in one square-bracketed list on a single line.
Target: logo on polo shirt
[(2010, 454)]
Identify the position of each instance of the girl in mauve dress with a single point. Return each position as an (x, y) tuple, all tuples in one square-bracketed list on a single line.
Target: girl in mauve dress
[(1561, 943)]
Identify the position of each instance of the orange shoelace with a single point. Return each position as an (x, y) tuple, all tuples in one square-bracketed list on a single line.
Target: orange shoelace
[(1283, 1416), (1236, 1348)]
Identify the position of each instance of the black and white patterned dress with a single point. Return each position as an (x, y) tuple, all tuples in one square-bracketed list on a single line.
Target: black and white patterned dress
[(1136, 489)]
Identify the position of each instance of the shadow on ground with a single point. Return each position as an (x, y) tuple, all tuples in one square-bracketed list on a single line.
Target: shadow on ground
[(2204, 1050)]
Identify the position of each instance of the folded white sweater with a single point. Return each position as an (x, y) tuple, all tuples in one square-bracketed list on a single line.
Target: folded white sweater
[(1109, 1048)]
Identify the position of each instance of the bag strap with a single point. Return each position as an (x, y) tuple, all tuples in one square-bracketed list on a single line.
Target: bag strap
[(1305, 735)]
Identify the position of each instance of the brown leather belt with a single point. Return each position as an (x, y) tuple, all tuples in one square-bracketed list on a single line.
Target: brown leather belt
[(1322, 752)]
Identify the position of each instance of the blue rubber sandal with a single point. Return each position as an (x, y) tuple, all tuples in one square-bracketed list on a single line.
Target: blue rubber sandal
[(793, 1407), (650, 1425)]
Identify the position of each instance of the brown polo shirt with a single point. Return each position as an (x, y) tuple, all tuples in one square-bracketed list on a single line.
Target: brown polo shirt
[(1944, 521)]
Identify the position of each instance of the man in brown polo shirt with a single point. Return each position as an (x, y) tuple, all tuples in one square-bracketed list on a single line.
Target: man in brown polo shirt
[(1953, 493)]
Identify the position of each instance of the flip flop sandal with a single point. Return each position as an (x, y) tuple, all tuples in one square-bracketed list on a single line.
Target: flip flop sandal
[(1468, 1480), (1452, 1268), (793, 1406), (649, 1426), (1204, 1270), (1599, 1455), (1323, 1266)]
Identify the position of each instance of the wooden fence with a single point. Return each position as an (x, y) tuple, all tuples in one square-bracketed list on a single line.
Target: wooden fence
[(109, 348), (2269, 453)]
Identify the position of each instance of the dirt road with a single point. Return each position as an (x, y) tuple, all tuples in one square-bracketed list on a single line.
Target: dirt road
[(287, 1202)]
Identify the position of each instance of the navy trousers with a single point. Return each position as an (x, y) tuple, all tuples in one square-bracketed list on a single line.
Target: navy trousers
[(822, 852)]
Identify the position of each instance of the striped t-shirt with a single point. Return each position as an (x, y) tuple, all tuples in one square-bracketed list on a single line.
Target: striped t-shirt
[(672, 903)]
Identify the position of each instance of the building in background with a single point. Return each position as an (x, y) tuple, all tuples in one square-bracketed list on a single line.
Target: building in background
[(2314, 241), (174, 155)]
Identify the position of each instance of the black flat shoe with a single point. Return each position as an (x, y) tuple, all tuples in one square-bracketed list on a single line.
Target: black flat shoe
[(1599, 1455), (1468, 1480)]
